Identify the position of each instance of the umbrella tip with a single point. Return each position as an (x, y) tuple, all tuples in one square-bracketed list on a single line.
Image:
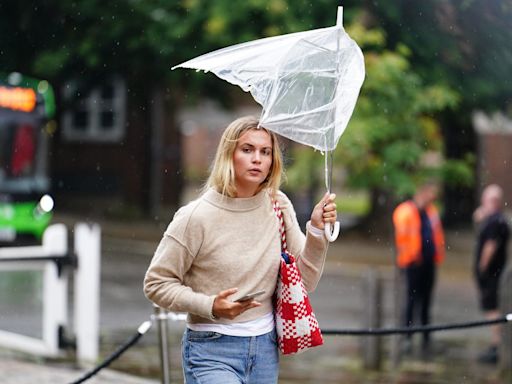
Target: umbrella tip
[(339, 19)]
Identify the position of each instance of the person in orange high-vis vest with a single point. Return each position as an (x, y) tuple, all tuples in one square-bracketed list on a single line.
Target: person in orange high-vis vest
[(419, 242)]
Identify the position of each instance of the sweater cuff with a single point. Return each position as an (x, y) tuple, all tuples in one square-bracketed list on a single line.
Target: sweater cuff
[(316, 232), (211, 316), (200, 305)]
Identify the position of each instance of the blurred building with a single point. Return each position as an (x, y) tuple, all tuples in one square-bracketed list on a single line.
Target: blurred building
[(201, 127), (116, 151), (494, 152), (122, 152)]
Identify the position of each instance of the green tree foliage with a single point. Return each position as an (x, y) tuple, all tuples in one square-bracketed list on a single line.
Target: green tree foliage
[(464, 44), (139, 39), (393, 140)]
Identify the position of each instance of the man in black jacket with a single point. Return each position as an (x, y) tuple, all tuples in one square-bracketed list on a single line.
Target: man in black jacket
[(491, 257)]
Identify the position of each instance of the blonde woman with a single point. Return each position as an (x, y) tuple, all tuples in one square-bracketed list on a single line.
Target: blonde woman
[(225, 245)]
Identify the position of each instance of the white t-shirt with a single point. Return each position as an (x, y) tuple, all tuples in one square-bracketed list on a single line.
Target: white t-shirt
[(256, 327)]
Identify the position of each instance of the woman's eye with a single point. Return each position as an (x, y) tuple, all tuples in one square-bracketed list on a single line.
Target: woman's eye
[(246, 150), (267, 152)]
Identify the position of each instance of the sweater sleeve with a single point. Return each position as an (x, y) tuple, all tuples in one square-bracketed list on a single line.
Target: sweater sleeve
[(164, 279), (310, 250)]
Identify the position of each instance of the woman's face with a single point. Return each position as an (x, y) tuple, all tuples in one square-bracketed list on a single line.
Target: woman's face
[(252, 160)]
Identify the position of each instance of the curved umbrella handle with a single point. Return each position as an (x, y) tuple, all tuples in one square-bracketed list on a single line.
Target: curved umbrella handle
[(332, 235)]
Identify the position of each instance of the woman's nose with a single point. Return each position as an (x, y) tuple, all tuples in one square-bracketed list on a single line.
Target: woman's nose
[(256, 158)]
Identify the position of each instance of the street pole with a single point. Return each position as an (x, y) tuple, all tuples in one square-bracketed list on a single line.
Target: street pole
[(506, 329), (161, 319)]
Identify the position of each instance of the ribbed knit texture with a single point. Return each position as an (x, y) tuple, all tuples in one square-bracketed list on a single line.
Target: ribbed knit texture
[(216, 242)]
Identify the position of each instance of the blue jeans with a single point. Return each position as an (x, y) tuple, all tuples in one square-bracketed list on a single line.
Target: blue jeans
[(213, 358)]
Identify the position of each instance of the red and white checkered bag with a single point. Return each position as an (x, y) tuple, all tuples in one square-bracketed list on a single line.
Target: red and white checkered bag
[(296, 324)]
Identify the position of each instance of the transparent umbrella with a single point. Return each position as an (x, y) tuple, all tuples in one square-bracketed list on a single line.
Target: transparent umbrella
[(307, 83)]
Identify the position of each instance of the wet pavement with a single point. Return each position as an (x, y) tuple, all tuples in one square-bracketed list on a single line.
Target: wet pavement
[(24, 372), (127, 249)]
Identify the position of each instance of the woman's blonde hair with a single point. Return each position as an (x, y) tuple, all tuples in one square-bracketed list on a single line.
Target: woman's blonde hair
[(222, 174)]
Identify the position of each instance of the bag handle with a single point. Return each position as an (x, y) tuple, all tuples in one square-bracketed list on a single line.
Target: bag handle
[(282, 228)]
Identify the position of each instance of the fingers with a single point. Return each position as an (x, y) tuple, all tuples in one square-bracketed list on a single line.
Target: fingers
[(329, 208), (328, 198), (228, 292), (325, 211), (234, 310), (248, 305), (327, 202), (223, 307), (330, 215)]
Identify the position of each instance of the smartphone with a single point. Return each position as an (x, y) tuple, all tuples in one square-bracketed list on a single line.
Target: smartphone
[(250, 296)]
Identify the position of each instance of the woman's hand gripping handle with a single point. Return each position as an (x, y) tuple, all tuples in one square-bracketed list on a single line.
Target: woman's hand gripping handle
[(324, 217)]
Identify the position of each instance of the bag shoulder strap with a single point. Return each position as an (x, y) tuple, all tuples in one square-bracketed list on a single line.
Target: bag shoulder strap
[(282, 229)]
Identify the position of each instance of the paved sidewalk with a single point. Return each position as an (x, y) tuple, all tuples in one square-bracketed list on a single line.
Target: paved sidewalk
[(23, 372)]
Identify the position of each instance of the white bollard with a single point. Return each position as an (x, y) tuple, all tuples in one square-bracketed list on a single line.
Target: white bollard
[(55, 288), (87, 291)]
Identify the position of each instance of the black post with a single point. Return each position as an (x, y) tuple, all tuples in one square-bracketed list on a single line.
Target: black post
[(506, 308), (372, 346), (398, 294)]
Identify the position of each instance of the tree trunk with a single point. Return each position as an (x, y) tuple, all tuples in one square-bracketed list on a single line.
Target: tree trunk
[(378, 223), (460, 139)]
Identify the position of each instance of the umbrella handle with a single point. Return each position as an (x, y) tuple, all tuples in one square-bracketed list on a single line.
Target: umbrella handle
[(332, 235)]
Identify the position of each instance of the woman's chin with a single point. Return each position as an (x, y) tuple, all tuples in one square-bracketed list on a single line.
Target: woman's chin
[(249, 185)]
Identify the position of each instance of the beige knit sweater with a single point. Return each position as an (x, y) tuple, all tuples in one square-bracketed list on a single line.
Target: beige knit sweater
[(215, 243)]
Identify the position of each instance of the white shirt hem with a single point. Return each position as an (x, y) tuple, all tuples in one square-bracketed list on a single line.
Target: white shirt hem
[(257, 327)]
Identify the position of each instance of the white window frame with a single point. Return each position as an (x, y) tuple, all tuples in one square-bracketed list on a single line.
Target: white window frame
[(94, 105)]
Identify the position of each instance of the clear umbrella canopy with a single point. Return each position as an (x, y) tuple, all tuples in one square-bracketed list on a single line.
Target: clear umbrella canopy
[(306, 82)]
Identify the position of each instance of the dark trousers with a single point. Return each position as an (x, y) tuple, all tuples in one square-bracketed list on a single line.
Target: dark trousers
[(419, 286)]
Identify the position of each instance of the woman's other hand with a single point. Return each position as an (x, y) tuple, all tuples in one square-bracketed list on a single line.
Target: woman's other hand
[(324, 211), (227, 309)]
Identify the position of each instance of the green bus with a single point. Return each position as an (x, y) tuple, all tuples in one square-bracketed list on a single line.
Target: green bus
[(27, 107)]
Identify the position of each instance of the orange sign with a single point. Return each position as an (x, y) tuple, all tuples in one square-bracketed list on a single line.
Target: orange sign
[(18, 99)]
